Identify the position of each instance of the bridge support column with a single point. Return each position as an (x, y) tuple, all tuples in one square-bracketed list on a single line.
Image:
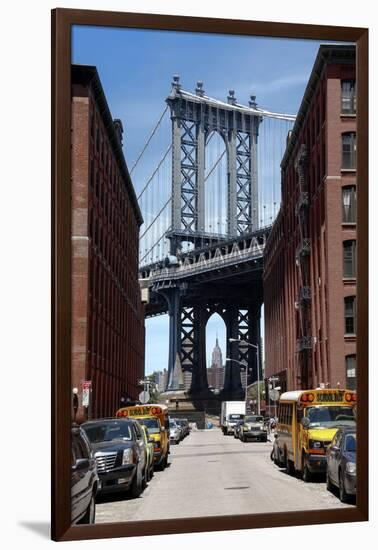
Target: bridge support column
[(232, 228), (232, 381), (200, 177), (199, 373), (254, 337), (254, 173), (173, 299)]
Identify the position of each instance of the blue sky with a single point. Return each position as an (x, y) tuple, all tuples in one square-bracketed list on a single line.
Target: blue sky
[(136, 68)]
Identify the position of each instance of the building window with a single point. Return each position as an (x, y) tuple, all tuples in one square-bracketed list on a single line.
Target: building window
[(349, 151), (350, 314), (349, 204), (348, 96), (349, 259), (350, 365)]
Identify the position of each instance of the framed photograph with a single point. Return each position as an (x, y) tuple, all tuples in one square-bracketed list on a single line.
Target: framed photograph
[(210, 274)]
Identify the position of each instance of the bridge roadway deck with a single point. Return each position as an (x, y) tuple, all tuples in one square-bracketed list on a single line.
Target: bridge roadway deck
[(214, 475)]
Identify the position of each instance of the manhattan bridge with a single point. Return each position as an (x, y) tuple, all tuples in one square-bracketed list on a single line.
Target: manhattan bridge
[(208, 184)]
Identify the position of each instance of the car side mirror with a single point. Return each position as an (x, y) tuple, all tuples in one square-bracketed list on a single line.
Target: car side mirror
[(81, 464), (305, 422)]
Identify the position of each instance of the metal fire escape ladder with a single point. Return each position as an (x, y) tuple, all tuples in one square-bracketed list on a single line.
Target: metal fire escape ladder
[(305, 340)]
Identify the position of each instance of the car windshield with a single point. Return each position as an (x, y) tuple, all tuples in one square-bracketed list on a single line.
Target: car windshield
[(152, 424), (253, 419), (330, 417), (350, 443), (235, 416), (108, 431)]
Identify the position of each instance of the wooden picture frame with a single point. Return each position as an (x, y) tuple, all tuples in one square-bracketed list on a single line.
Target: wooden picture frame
[(62, 21)]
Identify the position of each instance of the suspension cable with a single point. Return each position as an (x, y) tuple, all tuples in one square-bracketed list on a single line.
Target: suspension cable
[(153, 246), (156, 217), (154, 172), (149, 139), (215, 165)]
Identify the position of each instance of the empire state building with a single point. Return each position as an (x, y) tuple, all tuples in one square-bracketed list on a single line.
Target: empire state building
[(215, 374)]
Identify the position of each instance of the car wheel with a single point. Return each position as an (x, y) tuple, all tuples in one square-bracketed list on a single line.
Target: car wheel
[(146, 478), (306, 474), (329, 482), (90, 514), (136, 485), (289, 467), (343, 495)]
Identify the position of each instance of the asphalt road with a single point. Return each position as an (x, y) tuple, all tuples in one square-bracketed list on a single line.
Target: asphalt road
[(211, 474)]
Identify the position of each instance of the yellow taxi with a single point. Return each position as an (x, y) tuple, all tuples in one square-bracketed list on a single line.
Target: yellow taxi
[(155, 418), (307, 422)]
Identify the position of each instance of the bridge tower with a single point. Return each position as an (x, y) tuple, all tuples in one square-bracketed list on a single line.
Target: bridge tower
[(194, 117)]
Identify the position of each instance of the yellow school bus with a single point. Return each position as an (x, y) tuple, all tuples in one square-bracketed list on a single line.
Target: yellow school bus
[(307, 422), (155, 418)]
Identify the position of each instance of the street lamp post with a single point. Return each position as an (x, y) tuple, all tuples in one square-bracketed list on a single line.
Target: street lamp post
[(258, 365), (243, 364)]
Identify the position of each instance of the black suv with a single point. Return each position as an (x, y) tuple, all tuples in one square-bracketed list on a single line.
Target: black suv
[(84, 478), (120, 454)]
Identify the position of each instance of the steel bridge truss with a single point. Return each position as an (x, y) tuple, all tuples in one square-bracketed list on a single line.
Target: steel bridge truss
[(194, 118), (241, 322)]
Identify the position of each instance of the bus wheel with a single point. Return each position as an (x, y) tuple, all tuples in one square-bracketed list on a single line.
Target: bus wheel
[(306, 474)]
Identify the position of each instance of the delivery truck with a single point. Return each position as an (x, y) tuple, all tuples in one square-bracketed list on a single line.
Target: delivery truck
[(231, 412)]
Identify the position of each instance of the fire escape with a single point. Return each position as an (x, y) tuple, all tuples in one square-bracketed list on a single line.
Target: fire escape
[(305, 340)]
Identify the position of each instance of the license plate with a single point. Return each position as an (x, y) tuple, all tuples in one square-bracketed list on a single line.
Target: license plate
[(122, 480)]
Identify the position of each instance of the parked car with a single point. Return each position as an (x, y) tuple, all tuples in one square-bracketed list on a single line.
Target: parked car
[(184, 425), (175, 432), (341, 463), (149, 444), (155, 418), (120, 454), (84, 478), (253, 428), (237, 428)]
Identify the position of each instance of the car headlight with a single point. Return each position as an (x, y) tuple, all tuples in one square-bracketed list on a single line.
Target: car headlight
[(127, 457), (351, 468), (315, 444), (261, 427)]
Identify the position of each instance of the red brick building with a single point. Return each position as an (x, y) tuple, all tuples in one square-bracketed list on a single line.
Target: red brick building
[(310, 257), (107, 312)]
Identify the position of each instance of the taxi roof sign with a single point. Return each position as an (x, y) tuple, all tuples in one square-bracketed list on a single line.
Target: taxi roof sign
[(142, 410)]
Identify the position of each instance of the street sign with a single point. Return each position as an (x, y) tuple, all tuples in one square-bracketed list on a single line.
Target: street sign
[(86, 386), (274, 395), (144, 397), (85, 397)]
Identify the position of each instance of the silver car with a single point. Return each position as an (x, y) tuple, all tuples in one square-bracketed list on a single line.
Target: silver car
[(175, 433)]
